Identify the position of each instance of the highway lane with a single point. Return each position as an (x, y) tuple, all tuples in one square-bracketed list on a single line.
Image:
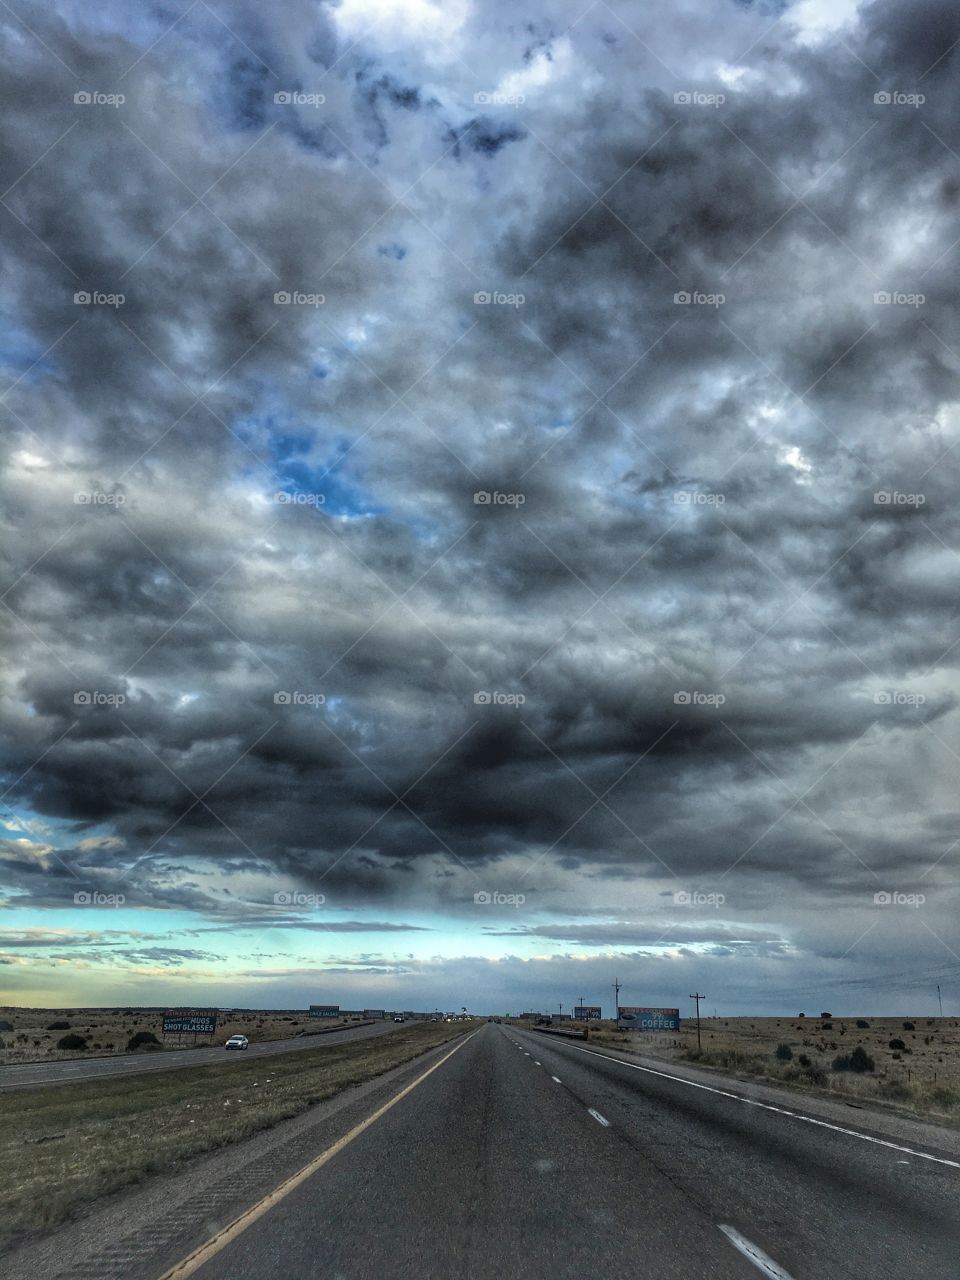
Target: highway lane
[(35, 1074), (822, 1203), (486, 1170), (512, 1155)]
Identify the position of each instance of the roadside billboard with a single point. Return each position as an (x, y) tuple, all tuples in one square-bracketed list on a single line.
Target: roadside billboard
[(373, 1013), (324, 1011), (198, 1022), (587, 1012), (641, 1018)]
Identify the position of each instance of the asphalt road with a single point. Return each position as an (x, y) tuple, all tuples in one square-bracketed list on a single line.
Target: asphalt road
[(33, 1074), (522, 1157)]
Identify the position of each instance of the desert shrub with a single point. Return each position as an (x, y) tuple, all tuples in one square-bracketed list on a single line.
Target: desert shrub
[(71, 1042), (804, 1060), (59, 1026), (809, 1074), (909, 1026), (783, 1052), (895, 1090), (826, 1026), (862, 1024), (858, 1061), (897, 1044), (943, 1097), (6, 1026), (826, 1015), (143, 1039), (896, 1056)]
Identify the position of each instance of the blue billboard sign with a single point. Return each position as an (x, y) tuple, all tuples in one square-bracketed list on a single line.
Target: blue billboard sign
[(640, 1018)]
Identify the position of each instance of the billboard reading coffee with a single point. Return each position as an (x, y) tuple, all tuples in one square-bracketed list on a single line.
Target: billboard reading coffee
[(642, 1018)]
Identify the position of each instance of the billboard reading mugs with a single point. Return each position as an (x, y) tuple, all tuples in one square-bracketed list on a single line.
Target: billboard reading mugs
[(324, 1011), (200, 1022), (639, 1018), (588, 1012)]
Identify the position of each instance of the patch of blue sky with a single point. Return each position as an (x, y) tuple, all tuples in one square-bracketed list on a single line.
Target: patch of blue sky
[(20, 352), (292, 456)]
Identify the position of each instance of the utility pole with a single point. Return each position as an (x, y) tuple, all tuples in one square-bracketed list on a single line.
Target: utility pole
[(581, 1008), (616, 987), (560, 1019), (698, 997), (940, 998)]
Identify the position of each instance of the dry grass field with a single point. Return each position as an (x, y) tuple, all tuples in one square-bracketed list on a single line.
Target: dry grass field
[(916, 1060), (61, 1148), (36, 1033)]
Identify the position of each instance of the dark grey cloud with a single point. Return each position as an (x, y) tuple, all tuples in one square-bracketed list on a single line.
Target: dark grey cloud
[(724, 576)]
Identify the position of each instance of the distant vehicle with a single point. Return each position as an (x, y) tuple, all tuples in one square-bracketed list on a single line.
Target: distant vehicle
[(497, 1021), (237, 1042), (398, 1018)]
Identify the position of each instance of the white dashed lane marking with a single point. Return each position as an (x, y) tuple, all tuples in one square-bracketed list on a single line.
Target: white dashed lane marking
[(755, 1255)]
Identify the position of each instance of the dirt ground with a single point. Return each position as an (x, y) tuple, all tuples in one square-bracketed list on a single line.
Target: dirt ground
[(921, 1072), (108, 1031)]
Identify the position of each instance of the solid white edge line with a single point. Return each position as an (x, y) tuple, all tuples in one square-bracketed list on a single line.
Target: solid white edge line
[(556, 1078), (767, 1106), (536, 1063), (754, 1255), (599, 1118)]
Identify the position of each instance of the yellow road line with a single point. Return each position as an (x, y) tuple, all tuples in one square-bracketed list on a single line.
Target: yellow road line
[(192, 1263)]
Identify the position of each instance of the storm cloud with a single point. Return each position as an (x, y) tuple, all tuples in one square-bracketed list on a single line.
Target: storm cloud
[(479, 451)]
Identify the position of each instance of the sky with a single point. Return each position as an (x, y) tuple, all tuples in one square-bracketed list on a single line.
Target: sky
[(478, 488)]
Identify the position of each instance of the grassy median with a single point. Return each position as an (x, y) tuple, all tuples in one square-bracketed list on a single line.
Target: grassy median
[(62, 1147)]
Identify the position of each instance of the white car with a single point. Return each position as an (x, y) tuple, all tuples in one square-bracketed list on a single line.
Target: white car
[(237, 1042), (398, 1018)]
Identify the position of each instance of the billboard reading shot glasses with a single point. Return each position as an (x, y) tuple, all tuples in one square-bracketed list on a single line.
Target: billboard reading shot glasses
[(640, 1018), (198, 1022), (324, 1011)]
